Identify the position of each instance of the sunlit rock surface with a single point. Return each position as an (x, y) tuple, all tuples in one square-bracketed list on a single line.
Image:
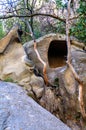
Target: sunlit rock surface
[(20, 112), (11, 53)]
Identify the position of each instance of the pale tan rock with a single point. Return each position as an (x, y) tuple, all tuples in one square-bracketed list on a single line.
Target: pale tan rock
[(12, 65), (4, 42), (38, 91), (70, 83), (36, 81), (25, 81)]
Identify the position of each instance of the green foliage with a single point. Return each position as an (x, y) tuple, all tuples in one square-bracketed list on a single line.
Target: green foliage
[(37, 30), (9, 23), (60, 27), (59, 3), (2, 33), (8, 79), (56, 82), (82, 7), (79, 31)]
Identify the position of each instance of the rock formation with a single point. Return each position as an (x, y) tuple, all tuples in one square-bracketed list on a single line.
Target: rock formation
[(20, 112), (20, 64), (12, 66), (53, 50)]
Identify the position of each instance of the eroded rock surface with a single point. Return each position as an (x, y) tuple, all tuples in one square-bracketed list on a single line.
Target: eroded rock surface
[(12, 65), (61, 99), (20, 112), (11, 53)]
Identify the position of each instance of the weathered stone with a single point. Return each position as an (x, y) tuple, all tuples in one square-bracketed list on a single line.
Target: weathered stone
[(12, 64), (52, 49), (69, 81), (4, 42), (36, 81), (43, 44), (37, 84), (20, 112), (16, 66), (62, 99)]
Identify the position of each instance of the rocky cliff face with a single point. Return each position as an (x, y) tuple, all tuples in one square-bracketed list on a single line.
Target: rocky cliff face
[(20, 64)]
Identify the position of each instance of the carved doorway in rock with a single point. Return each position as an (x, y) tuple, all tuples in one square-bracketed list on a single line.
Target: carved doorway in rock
[(57, 53)]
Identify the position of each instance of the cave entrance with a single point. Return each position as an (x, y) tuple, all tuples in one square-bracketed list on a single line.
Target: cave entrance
[(57, 53)]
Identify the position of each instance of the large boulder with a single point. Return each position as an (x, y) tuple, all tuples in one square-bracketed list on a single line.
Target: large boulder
[(20, 112), (11, 52), (12, 65), (61, 99), (53, 50)]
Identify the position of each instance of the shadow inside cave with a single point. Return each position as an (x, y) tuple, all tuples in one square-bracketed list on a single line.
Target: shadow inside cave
[(57, 53)]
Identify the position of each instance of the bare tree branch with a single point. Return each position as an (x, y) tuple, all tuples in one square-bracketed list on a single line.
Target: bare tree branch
[(77, 78), (37, 53), (32, 15), (44, 64), (80, 86), (67, 32), (75, 17)]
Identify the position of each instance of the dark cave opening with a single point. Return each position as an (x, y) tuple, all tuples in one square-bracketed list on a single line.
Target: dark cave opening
[(57, 53)]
